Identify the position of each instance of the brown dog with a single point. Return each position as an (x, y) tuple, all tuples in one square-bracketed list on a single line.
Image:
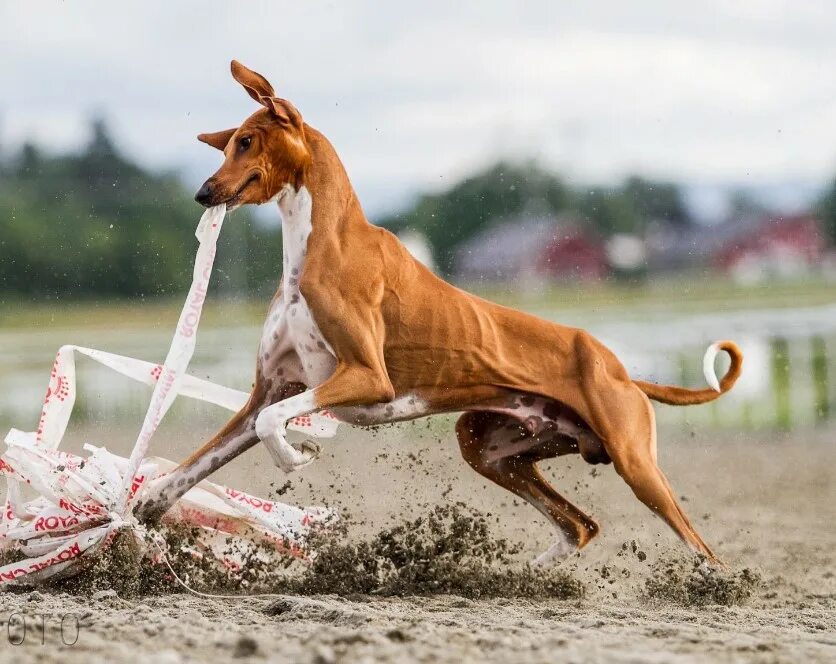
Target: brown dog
[(361, 328)]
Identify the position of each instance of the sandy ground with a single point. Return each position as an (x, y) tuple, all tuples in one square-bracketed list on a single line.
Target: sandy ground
[(767, 503)]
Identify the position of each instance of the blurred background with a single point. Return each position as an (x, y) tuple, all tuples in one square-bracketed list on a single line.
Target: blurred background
[(663, 175)]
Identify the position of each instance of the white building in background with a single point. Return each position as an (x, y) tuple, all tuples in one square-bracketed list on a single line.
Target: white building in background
[(418, 245), (626, 251)]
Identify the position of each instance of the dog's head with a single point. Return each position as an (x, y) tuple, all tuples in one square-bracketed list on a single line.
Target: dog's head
[(261, 157)]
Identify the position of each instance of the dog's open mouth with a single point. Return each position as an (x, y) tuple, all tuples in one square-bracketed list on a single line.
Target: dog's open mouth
[(235, 200)]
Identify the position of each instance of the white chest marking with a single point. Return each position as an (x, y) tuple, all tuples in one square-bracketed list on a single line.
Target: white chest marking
[(292, 345)]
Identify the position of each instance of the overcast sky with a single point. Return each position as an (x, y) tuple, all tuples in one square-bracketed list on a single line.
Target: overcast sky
[(415, 94)]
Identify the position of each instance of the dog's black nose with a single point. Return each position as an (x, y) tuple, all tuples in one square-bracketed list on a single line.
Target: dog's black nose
[(204, 194)]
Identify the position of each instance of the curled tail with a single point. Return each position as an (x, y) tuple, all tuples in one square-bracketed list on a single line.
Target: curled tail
[(683, 396)]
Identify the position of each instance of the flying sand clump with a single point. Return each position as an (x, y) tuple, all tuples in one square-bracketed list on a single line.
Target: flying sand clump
[(693, 583)]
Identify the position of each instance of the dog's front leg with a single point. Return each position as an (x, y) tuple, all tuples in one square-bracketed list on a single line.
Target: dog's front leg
[(348, 386), (237, 436)]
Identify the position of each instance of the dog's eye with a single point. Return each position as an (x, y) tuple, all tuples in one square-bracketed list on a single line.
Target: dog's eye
[(244, 143)]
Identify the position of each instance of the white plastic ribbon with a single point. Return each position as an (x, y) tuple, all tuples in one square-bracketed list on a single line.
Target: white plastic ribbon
[(181, 350), (81, 502)]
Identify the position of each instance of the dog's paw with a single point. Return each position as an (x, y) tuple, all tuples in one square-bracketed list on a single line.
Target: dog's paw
[(290, 456), (308, 450), (562, 548)]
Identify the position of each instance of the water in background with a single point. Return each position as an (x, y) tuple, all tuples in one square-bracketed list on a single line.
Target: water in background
[(787, 381)]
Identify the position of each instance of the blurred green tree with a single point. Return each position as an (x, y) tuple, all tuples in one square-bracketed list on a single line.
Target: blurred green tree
[(95, 223), (827, 210), (657, 201), (743, 204), (611, 211), (502, 190), (453, 216)]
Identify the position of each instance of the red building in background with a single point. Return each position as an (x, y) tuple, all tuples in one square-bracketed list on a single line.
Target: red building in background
[(771, 246), (574, 254), (532, 248), (749, 248)]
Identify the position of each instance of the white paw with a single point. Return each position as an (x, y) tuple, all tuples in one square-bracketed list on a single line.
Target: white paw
[(308, 449), (290, 457), (560, 549)]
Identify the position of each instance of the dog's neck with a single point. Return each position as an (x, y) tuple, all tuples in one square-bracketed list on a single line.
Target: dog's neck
[(335, 205), (325, 205), (295, 209)]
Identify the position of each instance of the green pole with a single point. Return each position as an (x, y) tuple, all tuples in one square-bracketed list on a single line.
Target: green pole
[(819, 360), (781, 383)]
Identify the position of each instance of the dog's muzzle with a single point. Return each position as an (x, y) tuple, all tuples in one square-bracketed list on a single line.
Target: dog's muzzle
[(205, 194)]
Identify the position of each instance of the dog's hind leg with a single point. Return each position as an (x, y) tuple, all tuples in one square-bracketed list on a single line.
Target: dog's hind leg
[(482, 435), (634, 459)]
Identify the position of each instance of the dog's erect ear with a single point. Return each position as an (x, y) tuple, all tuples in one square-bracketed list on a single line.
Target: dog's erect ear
[(255, 84), (283, 110), (218, 139), (259, 88)]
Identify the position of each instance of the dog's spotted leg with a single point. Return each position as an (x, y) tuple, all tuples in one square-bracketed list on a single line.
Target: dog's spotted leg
[(236, 437), (483, 436), (350, 385)]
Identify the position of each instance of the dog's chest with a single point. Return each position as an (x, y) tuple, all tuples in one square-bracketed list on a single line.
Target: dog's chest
[(292, 345)]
